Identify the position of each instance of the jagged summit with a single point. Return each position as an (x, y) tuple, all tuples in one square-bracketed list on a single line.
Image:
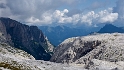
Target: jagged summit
[(27, 38)]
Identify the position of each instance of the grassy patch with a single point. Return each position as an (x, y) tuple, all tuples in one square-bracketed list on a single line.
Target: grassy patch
[(9, 66), (14, 66)]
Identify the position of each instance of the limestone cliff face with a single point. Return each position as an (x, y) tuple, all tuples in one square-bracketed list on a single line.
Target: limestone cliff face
[(107, 47), (71, 51), (27, 38)]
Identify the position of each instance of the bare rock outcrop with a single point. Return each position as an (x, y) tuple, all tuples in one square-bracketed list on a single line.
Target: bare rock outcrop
[(71, 51), (81, 50), (27, 38)]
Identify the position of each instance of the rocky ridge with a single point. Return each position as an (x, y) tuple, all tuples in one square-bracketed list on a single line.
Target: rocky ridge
[(81, 50), (27, 38), (14, 59)]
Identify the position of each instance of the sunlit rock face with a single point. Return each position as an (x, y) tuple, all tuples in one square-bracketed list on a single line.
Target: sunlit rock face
[(108, 47)]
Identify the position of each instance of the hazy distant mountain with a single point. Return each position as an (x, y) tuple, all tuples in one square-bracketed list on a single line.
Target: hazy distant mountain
[(59, 33), (27, 38), (109, 28)]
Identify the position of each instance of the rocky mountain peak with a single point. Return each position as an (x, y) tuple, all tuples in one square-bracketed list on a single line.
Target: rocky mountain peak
[(27, 38), (109, 28)]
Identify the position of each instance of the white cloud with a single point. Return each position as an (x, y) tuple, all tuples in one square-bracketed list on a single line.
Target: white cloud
[(107, 16), (100, 17), (46, 19), (33, 20), (44, 12), (111, 17), (61, 16), (22, 10), (76, 18), (89, 18)]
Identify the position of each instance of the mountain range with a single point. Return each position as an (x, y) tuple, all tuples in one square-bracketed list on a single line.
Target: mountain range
[(58, 34), (24, 47)]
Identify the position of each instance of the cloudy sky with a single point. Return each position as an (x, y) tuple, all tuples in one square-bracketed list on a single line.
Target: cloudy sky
[(50, 12)]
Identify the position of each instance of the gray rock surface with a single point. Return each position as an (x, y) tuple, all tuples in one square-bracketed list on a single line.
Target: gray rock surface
[(96, 64), (108, 47), (14, 59)]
